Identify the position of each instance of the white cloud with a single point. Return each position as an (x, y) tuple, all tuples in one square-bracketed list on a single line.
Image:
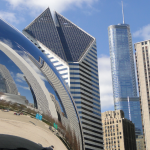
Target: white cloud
[(24, 87), (105, 79), (8, 42), (143, 33), (36, 6), (35, 68), (19, 77), (8, 16)]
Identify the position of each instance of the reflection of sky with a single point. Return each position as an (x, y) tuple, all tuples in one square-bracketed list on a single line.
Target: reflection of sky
[(19, 42), (17, 75), (42, 77)]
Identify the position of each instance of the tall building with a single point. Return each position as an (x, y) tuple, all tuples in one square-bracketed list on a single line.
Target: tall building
[(73, 52), (123, 75), (118, 132), (7, 84), (142, 57)]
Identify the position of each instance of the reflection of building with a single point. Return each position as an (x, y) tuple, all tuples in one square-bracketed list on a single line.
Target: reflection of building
[(14, 98), (142, 58), (7, 84), (43, 79), (73, 53), (32, 91), (31, 105), (123, 74), (118, 133), (61, 115)]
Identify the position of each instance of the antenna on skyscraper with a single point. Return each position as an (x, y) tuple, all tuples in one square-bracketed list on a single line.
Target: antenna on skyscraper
[(122, 12)]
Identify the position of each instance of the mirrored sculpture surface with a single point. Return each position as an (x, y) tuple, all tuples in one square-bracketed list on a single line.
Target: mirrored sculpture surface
[(28, 78)]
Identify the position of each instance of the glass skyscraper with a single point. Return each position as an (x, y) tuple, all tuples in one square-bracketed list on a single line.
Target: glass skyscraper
[(73, 52), (123, 74)]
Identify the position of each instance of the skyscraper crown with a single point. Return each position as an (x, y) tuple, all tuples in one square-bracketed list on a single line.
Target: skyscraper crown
[(63, 37)]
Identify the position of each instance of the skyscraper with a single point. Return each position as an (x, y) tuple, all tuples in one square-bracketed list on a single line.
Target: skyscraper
[(7, 84), (74, 54), (142, 52), (123, 75)]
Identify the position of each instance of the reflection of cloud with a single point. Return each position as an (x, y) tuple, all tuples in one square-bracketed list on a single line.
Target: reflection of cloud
[(19, 77), (12, 74), (7, 42), (34, 68), (24, 87), (105, 79)]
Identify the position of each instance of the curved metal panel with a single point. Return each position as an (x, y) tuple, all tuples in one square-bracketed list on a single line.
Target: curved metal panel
[(29, 77)]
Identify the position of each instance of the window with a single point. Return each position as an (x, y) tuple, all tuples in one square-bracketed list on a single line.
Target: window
[(145, 42), (142, 43)]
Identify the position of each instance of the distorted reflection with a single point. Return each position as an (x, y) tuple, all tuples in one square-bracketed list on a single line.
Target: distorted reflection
[(30, 84)]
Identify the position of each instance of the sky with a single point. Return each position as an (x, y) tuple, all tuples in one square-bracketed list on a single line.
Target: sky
[(93, 16)]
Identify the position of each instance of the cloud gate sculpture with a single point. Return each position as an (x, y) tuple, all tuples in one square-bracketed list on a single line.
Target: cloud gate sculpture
[(28, 77)]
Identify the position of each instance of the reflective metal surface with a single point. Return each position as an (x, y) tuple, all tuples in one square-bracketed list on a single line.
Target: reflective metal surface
[(27, 77)]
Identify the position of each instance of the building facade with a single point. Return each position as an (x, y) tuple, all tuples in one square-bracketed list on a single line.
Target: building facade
[(118, 132), (7, 84), (123, 75), (14, 98), (73, 53), (142, 55)]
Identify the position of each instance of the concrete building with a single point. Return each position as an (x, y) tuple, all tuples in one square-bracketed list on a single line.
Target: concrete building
[(7, 84), (14, 98), (73, 52), (118, 132), (142, 58)]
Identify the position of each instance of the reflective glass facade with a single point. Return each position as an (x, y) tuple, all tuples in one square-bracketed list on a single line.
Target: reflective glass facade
[(122, 64), (131, 108), (123, 74)]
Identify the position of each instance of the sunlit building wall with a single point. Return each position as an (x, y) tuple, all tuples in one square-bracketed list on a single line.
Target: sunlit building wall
[(118, 132), (142, 58)]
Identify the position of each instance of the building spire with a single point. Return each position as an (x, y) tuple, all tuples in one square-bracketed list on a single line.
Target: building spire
[(122, 12)]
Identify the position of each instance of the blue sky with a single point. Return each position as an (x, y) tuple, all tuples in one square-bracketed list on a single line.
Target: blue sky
[(93, 16)]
